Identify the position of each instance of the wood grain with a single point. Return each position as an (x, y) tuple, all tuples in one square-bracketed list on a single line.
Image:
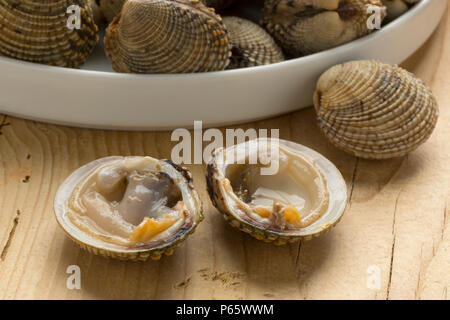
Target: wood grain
[(397, 219)]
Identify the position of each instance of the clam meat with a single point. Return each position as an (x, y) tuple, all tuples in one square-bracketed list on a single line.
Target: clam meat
[(303, 197), (38, 31), (161, 36), (129, 208), (374, 110), (304, 27), (251, 44)]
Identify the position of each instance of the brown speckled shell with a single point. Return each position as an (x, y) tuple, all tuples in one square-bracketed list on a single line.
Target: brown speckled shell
[(374, 110), (160, 36), (301, 28), (97, 13), (110, 8), (252, 45), (218, 4), (36, 31), (396, 8)]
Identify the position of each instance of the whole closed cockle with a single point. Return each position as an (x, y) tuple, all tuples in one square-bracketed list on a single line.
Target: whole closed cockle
[(304, 27), (162, 36), (97, 13), (44, 32), (396, 8), (110, 8), (374, 110), (252, 45)]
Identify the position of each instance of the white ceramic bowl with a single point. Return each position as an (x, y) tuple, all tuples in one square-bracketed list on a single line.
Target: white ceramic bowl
[(97, 97)]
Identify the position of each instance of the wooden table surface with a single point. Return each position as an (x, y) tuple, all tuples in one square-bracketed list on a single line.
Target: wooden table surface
[(395, 228)]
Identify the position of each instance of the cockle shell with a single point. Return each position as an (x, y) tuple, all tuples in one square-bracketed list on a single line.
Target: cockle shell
[(161, 36), (218, 4), (374, 110), (110, 8), (99, 18), (251, 44), (396, 8), (303, 27), (37, 31), (300, 196), (129, 208)]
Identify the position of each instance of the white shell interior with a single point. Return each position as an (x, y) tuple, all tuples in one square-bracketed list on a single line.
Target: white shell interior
[(305, 180), (103, 202)]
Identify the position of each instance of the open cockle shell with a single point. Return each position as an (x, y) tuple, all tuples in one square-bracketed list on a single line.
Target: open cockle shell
[(304, 198), (161, 36), (129, 208), (374, 110), (304, 27), (37, 31)]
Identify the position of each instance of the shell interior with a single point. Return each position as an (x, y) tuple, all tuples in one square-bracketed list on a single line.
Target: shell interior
[(128, 204), (305, 195)]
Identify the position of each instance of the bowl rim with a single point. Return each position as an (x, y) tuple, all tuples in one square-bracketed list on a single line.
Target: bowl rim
[(414, 11)]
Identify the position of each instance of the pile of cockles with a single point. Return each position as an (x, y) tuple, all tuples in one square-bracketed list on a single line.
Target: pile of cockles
[(184, 36)]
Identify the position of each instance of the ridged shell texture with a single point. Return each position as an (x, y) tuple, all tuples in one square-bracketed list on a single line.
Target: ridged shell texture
[(374, 110), (110, 8), (37, 31), (160, 36), (303, 27), (252, 45)]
